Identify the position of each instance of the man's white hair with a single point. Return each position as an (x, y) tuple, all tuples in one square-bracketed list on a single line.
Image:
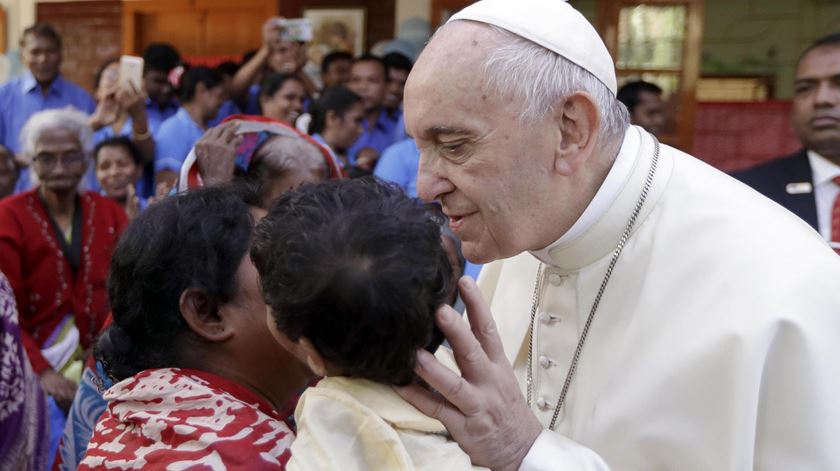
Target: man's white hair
[(70, 119), (541, 79)]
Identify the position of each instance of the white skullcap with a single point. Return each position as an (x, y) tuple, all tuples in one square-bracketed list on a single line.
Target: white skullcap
[(554, 25)]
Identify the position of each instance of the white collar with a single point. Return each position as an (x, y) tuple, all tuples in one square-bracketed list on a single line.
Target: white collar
[(822, 169), (612, 185)]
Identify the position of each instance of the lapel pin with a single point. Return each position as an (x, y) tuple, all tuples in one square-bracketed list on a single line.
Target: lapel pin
[(799, 188)]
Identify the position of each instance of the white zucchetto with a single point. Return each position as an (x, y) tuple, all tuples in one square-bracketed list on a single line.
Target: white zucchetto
[(554, 25)]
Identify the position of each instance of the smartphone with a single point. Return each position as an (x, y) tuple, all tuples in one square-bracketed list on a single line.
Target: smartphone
[(295, 29), (131, 71)]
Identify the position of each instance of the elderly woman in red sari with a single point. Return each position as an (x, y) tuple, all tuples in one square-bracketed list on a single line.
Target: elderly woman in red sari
[(56, 243)]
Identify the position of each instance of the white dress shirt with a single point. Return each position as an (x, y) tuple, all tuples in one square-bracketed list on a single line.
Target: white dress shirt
[(823, 172)]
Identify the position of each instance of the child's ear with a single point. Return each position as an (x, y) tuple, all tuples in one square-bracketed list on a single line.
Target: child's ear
[(314, 360)]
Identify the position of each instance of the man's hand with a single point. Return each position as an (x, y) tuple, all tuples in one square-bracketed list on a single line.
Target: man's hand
[(215, 153), (484, 409), (132, 100), (60, 388)]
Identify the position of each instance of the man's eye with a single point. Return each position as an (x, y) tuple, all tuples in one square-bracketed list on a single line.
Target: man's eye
[(452, 148)]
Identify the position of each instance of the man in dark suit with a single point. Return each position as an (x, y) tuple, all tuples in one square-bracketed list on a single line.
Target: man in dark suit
[(808, 182)]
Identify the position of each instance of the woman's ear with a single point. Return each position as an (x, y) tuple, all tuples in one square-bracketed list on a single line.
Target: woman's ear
[(201, 314), (578, 125)]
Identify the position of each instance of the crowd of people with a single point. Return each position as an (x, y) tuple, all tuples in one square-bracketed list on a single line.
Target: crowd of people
[(233, 266)]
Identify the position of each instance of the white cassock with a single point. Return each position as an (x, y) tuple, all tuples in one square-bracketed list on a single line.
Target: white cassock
[(717, 341)]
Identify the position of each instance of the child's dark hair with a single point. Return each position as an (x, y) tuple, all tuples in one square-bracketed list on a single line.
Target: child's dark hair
[(358, 268), (337, 99), (119, 141)]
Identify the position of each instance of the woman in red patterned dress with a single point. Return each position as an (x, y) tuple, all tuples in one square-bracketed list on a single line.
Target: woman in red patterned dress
[(56, 244), (199, 379)]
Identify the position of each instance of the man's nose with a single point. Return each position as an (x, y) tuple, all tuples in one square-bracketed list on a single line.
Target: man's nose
[(432, 182), (827, 95)]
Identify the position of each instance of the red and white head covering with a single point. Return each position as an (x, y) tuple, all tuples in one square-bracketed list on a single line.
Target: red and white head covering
[(255, 130)]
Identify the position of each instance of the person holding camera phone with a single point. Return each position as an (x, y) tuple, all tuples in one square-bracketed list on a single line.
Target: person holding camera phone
[(283, 51)]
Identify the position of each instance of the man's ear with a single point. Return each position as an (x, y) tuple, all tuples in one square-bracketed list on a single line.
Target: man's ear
[(202, 315), (578, 125), (314, 360)]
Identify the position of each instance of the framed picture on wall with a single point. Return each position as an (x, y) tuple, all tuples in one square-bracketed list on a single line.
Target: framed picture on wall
[(336, 29)]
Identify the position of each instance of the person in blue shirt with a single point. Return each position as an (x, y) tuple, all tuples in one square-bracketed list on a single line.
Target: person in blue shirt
[(41, 88), (337, 118), (368, 79), (399, 66), (159, 59), (228, 70), (277, 54), (121, 111), (202, 94)]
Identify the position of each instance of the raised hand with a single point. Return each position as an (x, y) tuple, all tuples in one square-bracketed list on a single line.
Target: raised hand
[(482, 408), (215, 153)]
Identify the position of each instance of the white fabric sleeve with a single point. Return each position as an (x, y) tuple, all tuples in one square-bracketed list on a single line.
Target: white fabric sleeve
[(552, 451)]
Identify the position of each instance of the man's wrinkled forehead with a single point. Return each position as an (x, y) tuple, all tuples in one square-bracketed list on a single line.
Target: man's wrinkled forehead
[(450, 71)]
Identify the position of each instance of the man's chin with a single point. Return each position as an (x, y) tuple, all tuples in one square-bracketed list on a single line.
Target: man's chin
[(478, 254)]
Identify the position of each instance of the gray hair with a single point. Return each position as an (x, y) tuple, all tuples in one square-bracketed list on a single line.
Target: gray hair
[(69, 119), (540, 79)]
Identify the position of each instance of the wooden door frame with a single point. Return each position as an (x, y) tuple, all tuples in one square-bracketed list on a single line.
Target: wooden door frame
[(608, 11), (133, 8)]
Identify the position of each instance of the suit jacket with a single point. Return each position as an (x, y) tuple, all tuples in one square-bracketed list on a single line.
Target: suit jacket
[(772, 178)]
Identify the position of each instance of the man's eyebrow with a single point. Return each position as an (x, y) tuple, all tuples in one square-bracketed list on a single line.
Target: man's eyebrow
[(434, 131), (811, 79)]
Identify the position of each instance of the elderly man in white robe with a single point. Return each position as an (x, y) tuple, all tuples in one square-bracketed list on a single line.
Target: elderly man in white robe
[(650, 311)]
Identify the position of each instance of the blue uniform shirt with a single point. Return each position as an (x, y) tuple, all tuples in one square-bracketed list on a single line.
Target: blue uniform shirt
[(174, 139), (379, 137), (399, 164), (156, 114)]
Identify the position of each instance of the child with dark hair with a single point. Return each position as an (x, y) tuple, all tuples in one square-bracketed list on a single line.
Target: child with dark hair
[(353, 272), (118, 166)]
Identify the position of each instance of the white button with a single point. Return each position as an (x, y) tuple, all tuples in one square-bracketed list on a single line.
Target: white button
[(547, 318), (546, 362), (543, 404), (555, 280)]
